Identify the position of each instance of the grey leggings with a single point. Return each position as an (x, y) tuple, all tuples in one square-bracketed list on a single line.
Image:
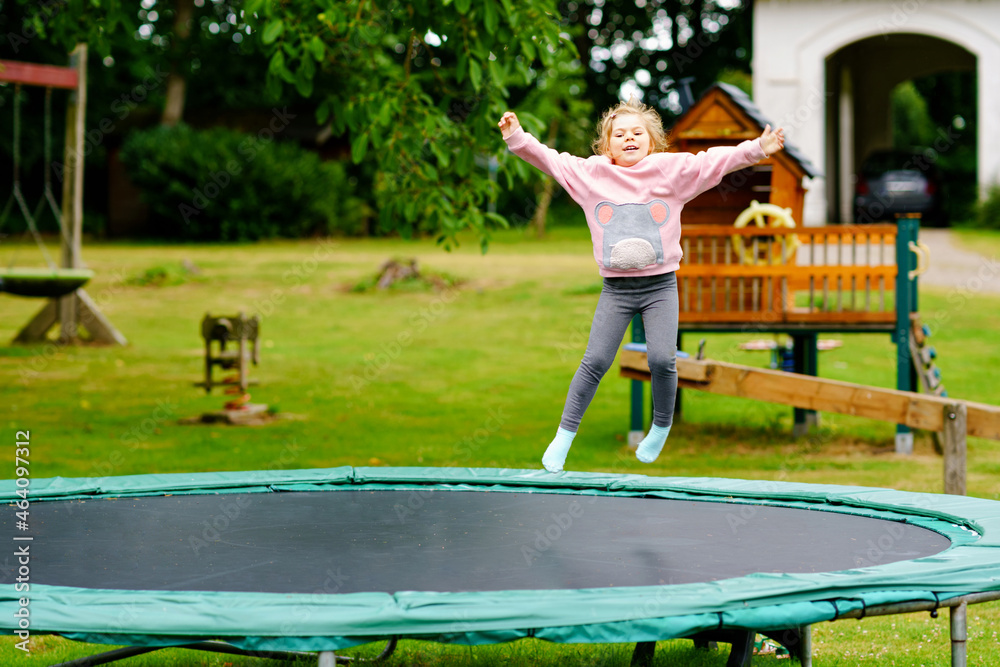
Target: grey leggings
[(656, 298)]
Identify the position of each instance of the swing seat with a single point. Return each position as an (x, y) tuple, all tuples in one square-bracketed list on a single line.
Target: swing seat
[(42, 282)]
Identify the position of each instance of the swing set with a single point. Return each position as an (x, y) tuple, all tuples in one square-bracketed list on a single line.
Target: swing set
[(68, 304)]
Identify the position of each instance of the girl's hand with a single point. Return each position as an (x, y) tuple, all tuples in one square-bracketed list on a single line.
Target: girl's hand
[(772, 142), (509, 124)]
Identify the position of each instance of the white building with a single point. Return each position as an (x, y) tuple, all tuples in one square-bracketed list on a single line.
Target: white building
[(825, 70)]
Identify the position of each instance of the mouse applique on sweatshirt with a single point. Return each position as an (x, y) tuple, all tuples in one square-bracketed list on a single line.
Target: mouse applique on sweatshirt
[(631, 236)]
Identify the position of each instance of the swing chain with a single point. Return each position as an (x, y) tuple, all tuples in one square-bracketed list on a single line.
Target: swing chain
[(16, 193)]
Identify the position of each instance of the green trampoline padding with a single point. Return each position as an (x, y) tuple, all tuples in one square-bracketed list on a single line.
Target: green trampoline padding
[(208, 511), (42, 282)]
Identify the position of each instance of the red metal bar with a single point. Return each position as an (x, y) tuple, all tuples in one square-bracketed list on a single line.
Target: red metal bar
[(31, 74)]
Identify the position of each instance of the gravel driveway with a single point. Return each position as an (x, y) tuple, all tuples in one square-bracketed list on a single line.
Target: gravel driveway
[(954, 267)]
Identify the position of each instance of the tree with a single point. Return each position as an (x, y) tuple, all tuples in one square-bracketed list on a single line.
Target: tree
[(140, 72), (562, 118), (658, 49), (950, 100), (173, 109), (418, 87), (170, 53)]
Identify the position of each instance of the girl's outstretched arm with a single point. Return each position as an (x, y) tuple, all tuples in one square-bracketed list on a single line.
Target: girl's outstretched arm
[(571, 172), (509, 124), (772, 142), (690, 174)]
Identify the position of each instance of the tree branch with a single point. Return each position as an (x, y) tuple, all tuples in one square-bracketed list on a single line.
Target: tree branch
[(409, 54)]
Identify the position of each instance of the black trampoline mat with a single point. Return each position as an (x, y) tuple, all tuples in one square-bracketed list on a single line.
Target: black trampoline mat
[(439, 540)]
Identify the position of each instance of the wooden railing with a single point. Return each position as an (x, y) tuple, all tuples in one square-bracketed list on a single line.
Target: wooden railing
[(809, 275), (952, 417)]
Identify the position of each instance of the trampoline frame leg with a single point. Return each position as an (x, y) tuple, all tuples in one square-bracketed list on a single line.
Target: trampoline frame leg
[(741, 653), (806, 650), (797, 641), (210, 646), (959, 634), (326, 658), (110, 656), (643, 654)]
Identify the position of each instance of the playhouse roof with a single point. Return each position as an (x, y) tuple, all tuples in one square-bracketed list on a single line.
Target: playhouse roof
[(752, 112)]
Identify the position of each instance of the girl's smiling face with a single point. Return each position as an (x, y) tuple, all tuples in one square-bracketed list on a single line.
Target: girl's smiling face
[(629, 140)]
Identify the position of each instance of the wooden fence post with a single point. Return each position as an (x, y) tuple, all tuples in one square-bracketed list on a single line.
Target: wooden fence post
[(954, 434)]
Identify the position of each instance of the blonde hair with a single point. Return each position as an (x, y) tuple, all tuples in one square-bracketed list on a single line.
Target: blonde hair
[(650, 118)]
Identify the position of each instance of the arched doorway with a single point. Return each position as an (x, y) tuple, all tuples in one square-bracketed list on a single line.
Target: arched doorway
[(826, 71), (860, 79)]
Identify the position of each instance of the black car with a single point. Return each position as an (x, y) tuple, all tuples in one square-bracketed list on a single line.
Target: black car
[(893, 182)]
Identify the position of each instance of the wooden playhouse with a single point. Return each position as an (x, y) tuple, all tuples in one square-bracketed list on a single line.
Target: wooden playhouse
[(748, 261), (725, 116)]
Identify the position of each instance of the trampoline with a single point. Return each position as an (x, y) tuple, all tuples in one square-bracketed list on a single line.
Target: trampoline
[(322, 560)]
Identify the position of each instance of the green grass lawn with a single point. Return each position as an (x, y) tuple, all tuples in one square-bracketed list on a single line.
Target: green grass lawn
[(473, 375)]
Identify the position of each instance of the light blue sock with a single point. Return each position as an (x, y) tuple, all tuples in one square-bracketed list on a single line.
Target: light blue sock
[(651, 445), (555, 454)]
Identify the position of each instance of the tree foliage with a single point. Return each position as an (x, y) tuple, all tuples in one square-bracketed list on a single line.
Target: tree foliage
[(223, 185), (952, 108), (659, 49), (129, 41), (418, 87), (937, 115), (64, 23)]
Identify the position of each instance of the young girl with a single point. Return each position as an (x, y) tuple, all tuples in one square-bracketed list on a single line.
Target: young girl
[(632, 192)]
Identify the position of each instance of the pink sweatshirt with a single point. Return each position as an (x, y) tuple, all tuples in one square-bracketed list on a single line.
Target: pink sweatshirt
[(634, 213)]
